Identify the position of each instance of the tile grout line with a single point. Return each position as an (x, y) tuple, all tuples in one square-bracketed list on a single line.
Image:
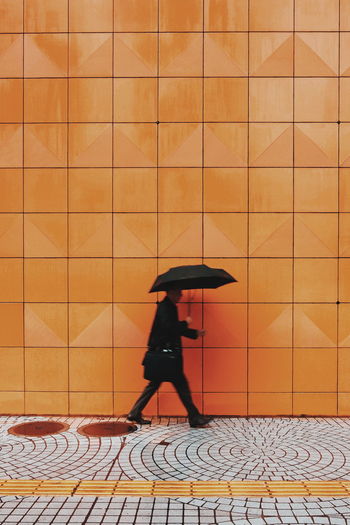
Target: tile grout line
[(338, 214), (113, 83), (157, 168), (202, 195), (293, 218), (68, 214), (248, 209), (23, 216)]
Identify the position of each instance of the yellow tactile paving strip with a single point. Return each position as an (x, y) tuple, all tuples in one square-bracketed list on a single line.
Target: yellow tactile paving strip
[(273, 489)]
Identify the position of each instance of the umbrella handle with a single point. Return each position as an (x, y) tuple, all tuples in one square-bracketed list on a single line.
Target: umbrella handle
[(190, 297)]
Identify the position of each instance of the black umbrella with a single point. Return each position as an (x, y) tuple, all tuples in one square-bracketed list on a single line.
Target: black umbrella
[(192, 277)]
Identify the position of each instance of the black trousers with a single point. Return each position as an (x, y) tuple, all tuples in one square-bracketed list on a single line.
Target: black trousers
[(182, 388)]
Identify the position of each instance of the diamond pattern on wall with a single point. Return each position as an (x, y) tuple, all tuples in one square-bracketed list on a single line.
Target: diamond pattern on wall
[(271, 145), (316, 54), (225, 145), (45, 145), (180, 145), (273, 55), (316, 145), (90, 325), (45, 325), (11, 53), (270, 325), (315, 325)]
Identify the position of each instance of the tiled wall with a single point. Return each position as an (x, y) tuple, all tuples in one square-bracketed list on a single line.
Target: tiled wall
[(137, 135)]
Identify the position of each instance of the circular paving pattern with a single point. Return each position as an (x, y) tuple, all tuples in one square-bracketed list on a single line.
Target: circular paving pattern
[(236, 448), (270, 449), (106, 429)]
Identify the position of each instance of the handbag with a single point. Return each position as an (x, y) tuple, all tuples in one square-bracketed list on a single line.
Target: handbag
[(162, 363)]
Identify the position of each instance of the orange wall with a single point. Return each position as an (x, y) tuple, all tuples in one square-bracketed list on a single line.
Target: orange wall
[(157, 133)]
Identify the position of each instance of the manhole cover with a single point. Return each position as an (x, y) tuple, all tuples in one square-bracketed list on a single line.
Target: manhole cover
[(113, 428), (38, 428)]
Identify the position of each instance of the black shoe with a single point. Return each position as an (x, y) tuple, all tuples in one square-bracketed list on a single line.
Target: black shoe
[(139, 420), (200, 421)]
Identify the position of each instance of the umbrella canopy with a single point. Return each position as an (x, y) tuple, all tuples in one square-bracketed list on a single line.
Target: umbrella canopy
[(192, 277)]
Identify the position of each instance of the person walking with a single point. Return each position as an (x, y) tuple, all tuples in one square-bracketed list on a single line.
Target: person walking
[(166, 334)]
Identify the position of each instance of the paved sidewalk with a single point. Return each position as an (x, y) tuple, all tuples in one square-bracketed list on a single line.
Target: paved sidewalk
[(229, 449)]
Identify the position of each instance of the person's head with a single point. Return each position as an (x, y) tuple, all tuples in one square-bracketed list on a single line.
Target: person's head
[(174, 295)]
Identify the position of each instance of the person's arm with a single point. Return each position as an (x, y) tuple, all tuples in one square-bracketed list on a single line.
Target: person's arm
[(171, 326)]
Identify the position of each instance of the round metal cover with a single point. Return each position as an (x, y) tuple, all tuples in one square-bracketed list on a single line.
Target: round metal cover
[(107, 429), (38, 428)]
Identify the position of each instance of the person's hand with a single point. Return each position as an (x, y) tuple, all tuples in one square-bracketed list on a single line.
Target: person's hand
[(201, 333), (188, 319)]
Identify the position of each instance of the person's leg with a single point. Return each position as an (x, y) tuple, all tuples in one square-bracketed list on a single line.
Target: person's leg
[(150, 389), (182, 388)]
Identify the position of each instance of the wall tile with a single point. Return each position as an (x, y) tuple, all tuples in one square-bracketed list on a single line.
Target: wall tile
[(135, 55), (90, 190), (135, 99), (275, 404), (271, 15), (220, 99), (132, 279), (91, 403), (46, 403), (271, 54), (225, 370), (90, 55), (317, 15), (316, 189), (270, 370), (11, 91), (45, 280), (90, 280), (135, 189), (46, 16), (315, 369), (180, 54), (271, 189), (11, 16), (270, 280), (11, 55), (225, 189), (11, 324), (45, 235), (311, 404), (45, 190), (315, 280), (90, 235), (91, 15), (172, 19), (11, 279), (223, 15), (270, 325), (46, 324), (316, 99), (180, 99), (271, 99), (46, 369), (225, 54), (11, 198), (90, 325), (11, 370), (135, 15), (90, 369), (46, 55), (90, 100), (180, 189)]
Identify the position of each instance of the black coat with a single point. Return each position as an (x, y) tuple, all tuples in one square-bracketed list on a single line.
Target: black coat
[(167, 329)]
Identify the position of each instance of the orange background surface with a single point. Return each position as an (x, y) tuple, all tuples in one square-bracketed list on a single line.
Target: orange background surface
[(136, 135)]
